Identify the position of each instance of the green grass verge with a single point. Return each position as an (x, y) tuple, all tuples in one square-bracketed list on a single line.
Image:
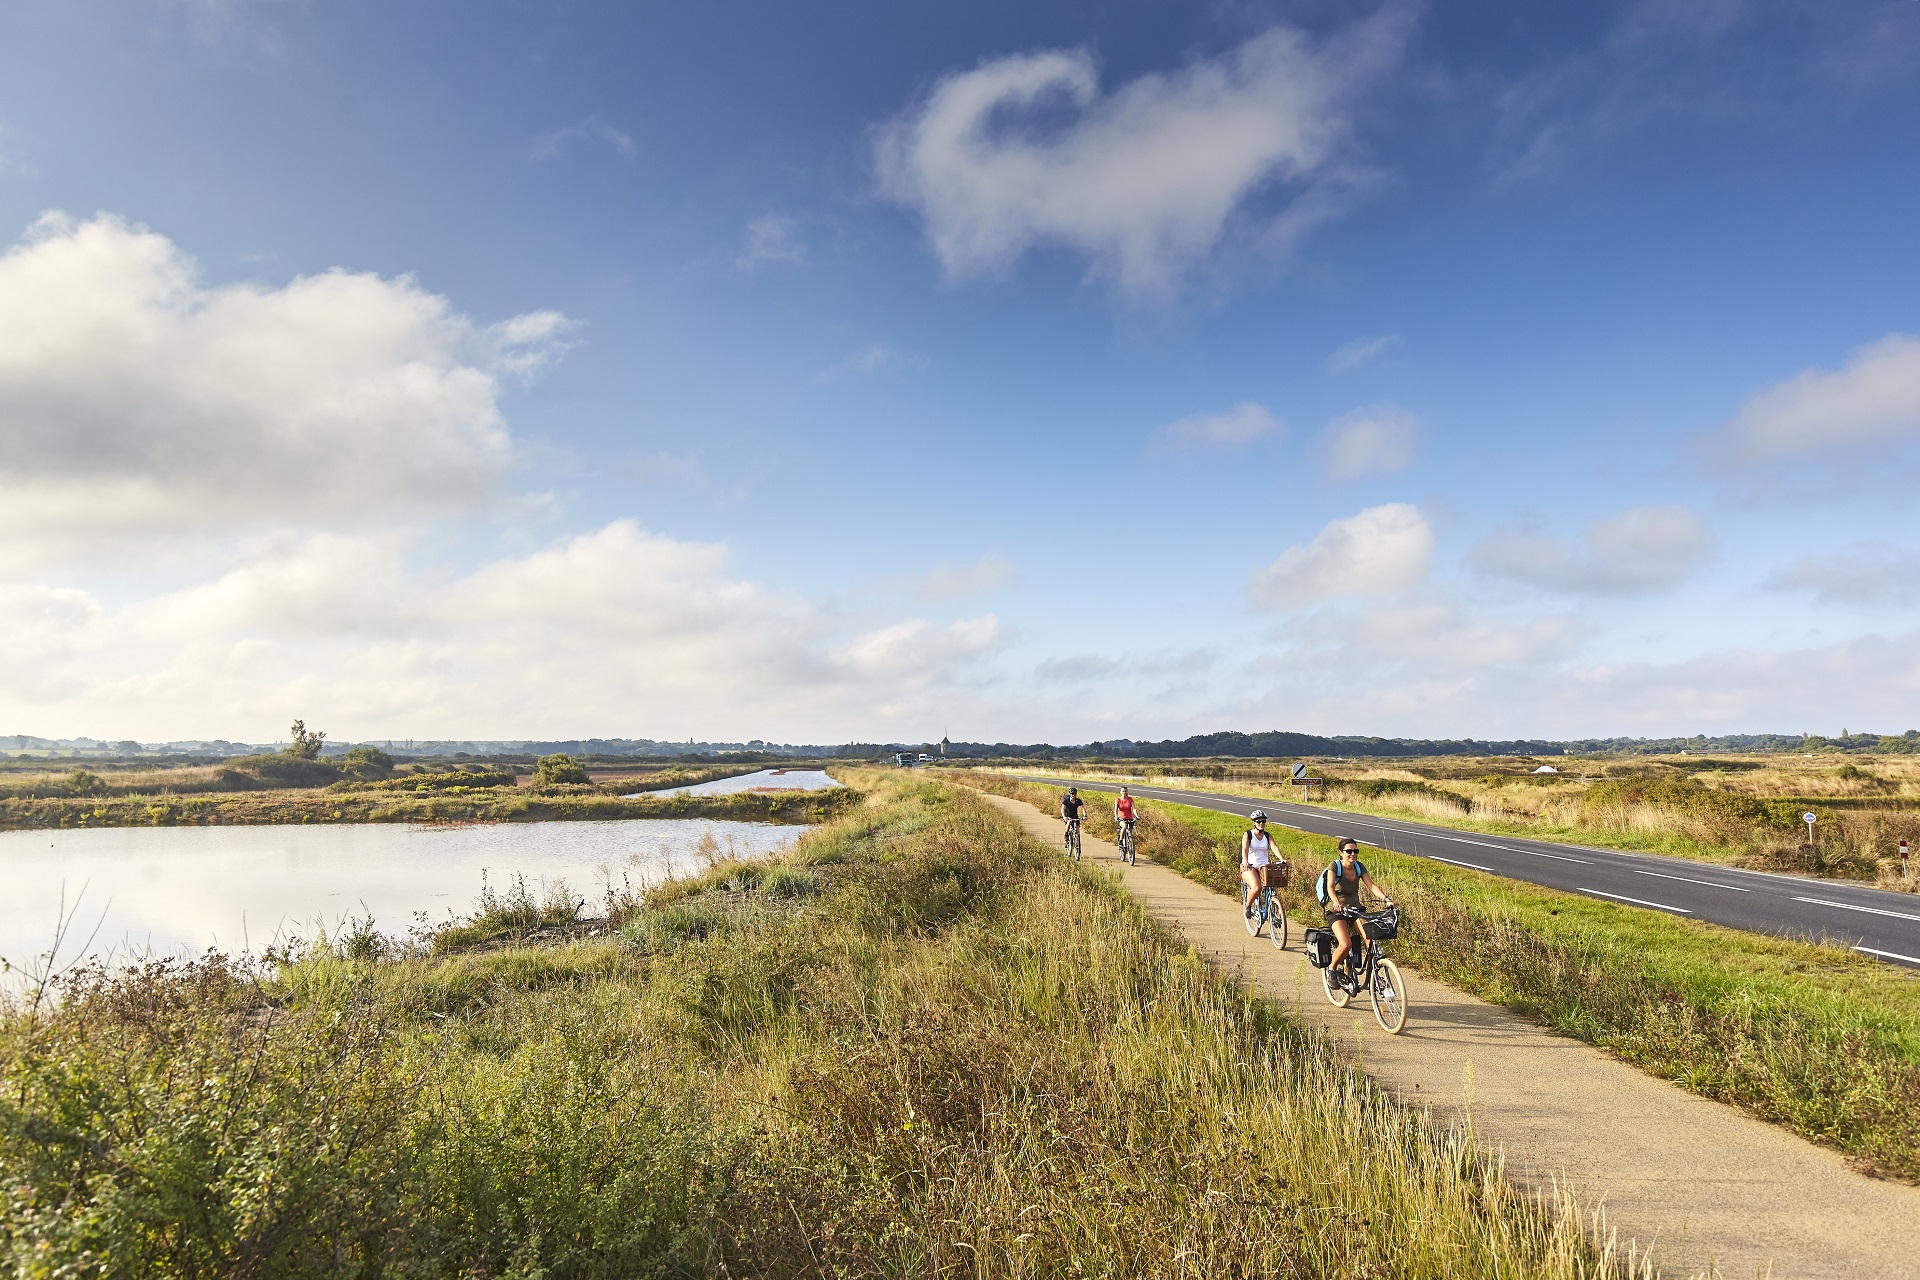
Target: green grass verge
[(1815, 1038), (927, 1047)]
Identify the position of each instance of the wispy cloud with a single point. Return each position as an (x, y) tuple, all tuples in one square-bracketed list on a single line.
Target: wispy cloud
[(1874, 399), (1352, 355), (1143, 179), (1241, 425), (946, 582), (592, 128), (1867, 573), (870, 360), (1378, 439), (770, 239), (1640, 551)]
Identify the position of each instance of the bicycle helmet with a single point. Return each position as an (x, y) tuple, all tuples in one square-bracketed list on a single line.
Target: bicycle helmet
[(1258, 815)]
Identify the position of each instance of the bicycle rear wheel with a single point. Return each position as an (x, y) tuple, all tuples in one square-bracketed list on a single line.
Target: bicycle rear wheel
[(1336, 993), (1389, 996)]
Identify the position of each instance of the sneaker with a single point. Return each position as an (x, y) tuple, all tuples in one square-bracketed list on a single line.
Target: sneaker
[(1248, 913)]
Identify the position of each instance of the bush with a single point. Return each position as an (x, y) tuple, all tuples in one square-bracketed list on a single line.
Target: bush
[(367, 762), (558, 771), (249, 773)]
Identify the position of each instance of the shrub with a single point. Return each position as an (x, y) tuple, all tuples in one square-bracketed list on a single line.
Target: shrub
[(367, 762), (558, 771), (305, 746)]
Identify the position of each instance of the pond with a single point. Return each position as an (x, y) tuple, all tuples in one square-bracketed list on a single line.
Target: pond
[(167, 890), (764, 780)]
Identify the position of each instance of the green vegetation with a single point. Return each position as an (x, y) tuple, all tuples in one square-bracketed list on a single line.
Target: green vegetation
[(1743, 811), (558, 771), (1815, 1038), (951, 1053), (304, 745)]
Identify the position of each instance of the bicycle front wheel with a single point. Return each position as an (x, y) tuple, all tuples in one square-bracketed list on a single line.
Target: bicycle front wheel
[(1076, 844), (1253, 918), (1389, 996), (1277, 926)]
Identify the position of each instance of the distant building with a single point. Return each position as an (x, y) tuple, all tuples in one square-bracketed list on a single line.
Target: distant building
[(944, 744)]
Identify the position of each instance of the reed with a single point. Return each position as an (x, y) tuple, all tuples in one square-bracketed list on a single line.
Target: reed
[(941, 1051)]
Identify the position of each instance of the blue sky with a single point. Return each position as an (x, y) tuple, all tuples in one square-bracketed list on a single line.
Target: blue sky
[(1015, 371)]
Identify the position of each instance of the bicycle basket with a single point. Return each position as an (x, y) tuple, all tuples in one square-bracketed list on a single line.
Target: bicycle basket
[(1319, 943), (1384, 926)]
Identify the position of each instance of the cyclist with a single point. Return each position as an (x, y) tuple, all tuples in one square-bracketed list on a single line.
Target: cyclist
[(1072, 807), (1259, 859), (1339, 890), (1123, 814)]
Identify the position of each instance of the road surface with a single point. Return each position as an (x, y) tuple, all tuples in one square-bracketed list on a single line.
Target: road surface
[(1874, 922)]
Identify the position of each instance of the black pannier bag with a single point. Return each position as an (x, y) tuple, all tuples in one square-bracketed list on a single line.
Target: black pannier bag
[(1320, 943), (1385, 928)]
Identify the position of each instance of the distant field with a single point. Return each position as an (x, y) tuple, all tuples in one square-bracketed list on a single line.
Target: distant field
[(1742, 810)]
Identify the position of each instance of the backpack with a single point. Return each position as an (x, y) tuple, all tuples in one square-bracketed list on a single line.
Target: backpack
[(1323, 887)]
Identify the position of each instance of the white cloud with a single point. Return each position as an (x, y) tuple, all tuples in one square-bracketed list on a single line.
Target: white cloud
[(1380, 550), (1641, 550), (1863, 574), (1144, 180), (1874, 399), (590, 128), (944, 582), (771, 238), (614, 631), (1240, 425), (1352, 355), (136, 402), (868, 360), (1378, 439)]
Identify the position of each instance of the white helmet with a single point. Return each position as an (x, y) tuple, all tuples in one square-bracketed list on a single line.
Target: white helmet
[(1258, 815)]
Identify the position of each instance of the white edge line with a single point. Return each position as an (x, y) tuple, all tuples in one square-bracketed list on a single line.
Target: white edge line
[(1848, 906), (1891, 955), (1638, 902), (1690, 880), (1476, 866)]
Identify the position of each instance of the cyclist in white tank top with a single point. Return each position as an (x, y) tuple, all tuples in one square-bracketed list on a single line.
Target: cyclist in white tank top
[(1260, 861)]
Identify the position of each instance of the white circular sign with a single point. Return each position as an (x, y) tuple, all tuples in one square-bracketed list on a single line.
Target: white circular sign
[(1808, 818)]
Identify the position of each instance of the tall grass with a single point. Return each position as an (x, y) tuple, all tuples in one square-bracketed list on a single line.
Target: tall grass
[(939, 1051), (1815, 1038)]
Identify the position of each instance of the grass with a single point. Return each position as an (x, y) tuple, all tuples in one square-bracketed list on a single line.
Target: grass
[(938, 1051), (1815, 1038), (1737, 810)]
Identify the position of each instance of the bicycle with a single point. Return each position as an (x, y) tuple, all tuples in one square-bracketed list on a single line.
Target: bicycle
[(1269, 911), (1072, 838), (1127, 854), (1366, 967)]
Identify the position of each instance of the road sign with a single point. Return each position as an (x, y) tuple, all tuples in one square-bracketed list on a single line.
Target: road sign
[(1809, 818), (1300, 770)]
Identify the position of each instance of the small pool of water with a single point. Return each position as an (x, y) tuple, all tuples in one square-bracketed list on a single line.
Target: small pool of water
[(167, 890), (764, 780)]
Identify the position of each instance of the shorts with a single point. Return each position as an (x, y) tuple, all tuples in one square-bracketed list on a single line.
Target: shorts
[(1333, 914)]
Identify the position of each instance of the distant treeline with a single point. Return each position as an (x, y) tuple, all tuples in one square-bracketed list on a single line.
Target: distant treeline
[(1279, 743)]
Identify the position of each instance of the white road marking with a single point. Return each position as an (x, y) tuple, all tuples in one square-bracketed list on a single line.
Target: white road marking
[(1638, 902), (1690, 880), (1891, 955), (1476, 866), (1848, 906)]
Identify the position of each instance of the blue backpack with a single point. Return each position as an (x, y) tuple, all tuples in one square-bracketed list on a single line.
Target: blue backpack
[(1323, 887)]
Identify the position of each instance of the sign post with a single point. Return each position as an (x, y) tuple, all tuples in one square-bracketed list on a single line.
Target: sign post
[(1903, 859), (1809, 818)]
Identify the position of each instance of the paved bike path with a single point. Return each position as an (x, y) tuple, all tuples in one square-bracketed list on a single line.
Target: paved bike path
[(1707, 1189)]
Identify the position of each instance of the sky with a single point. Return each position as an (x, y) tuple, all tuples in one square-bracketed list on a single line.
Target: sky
[(1015, 372)]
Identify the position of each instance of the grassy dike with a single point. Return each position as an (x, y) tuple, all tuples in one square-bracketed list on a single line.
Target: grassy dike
[(919, 1045), (1815, 1038)]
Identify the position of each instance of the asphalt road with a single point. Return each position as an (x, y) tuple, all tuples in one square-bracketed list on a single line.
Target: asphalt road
[(1875, 922)]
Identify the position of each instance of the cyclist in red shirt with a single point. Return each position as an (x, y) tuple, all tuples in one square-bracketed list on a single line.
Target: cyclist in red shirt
[(1123, 814)]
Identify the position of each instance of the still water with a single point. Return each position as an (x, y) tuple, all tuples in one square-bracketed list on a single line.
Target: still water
[(167, 890), (764, 780)]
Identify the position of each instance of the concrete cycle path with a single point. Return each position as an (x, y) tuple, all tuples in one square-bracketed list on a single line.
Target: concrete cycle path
[(1703, 1189)]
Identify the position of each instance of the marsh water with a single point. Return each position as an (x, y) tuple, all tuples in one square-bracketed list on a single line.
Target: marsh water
[(168, 890), (763, 780)]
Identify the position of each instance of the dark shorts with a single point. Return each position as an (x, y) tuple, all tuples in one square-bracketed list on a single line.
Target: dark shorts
[(1335, 915)]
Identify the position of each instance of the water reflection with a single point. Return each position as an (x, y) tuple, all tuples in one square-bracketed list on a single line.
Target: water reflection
[(764, 780), (172, 889)]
